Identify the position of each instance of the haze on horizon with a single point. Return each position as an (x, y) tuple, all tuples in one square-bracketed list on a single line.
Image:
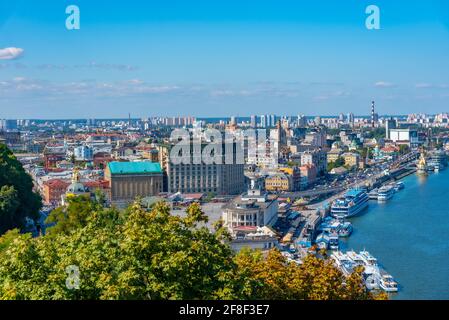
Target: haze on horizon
[(222, 58)]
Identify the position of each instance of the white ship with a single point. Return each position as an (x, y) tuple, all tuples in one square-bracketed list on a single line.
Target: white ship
[(385, 193), (373, 194), (375, 278), (387, 283), (353, 202)]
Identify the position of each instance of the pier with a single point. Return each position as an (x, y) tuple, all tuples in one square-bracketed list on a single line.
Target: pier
[(312, 215)]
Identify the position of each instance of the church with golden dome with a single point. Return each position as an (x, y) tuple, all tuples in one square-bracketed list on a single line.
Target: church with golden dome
[(76, 188)]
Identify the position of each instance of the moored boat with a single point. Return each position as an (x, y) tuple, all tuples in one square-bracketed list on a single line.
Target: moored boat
[(373, 194), (385, 193), (399, 186), (387, 283), (340, 227), (374, 277), (438, 160), (327, 240), (351, 204), (345, 229)]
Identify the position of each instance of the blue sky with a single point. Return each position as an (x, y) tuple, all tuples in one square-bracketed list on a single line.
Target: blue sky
[(222, 58)]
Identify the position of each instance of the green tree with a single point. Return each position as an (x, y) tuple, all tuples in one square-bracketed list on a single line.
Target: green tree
[(403, 149), (363, 152), (7, 239), (17, 199), (209, 197), (140, 254), (73, 216), (340, 162), (377, 133), (132, 254), (272, 277)]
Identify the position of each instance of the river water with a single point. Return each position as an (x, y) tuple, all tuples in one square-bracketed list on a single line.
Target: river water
[(409, 235)]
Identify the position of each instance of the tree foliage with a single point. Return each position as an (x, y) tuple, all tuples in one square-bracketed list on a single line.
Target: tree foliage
[(152, 254), (272, 277), (340, 162), (17, 199), (71, 217), (376, 133)]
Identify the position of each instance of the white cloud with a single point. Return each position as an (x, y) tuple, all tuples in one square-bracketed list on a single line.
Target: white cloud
[(321, 98), (107, 66), (423, 85), (10, 53), (19, 79), (332, 95), (384, 84), (135, 81), (19, 85)]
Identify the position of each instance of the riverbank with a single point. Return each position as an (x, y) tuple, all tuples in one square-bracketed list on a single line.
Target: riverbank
[(410, 236)]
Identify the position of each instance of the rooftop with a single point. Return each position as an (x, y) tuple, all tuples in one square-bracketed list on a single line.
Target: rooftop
[(354, 192), (57, 183), (142, 167)]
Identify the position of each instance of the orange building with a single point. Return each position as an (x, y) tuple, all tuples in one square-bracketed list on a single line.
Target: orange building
[(51, 159), (101, 159), (295, 174), (53, 190), (308, 175)]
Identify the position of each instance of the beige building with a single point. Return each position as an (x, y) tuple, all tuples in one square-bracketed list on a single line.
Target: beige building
[(352, 159), (316, 157), (334, 153), (295, 175), (221, 179), (128, 180), (249, 211), (249, 219), (278, 182), (194, 177)]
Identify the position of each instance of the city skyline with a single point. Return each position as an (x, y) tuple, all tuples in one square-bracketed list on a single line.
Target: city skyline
[(224, 150), (222, 59)]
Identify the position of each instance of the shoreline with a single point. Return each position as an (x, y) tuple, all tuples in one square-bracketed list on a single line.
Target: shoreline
[(384, 232)]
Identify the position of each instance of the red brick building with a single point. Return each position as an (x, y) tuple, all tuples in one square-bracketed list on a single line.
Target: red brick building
[(101, 160), (53, 190)]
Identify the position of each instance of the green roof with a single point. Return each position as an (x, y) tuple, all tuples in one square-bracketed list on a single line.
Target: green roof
[(134, 167)]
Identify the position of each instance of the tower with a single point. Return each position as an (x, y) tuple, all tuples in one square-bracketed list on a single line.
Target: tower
[(253, 122), (350, 118), (389, 124), (372, 114), (263, 121)]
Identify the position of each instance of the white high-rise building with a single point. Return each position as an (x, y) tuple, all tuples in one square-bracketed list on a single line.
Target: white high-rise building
[(350, 118), (263, 121), (253, 122), (272, 120)]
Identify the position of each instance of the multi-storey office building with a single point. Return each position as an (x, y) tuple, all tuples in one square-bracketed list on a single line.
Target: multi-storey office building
[(195, 174)]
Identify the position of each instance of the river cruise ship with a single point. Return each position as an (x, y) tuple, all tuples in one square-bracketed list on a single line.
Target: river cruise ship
[(351, 204)]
